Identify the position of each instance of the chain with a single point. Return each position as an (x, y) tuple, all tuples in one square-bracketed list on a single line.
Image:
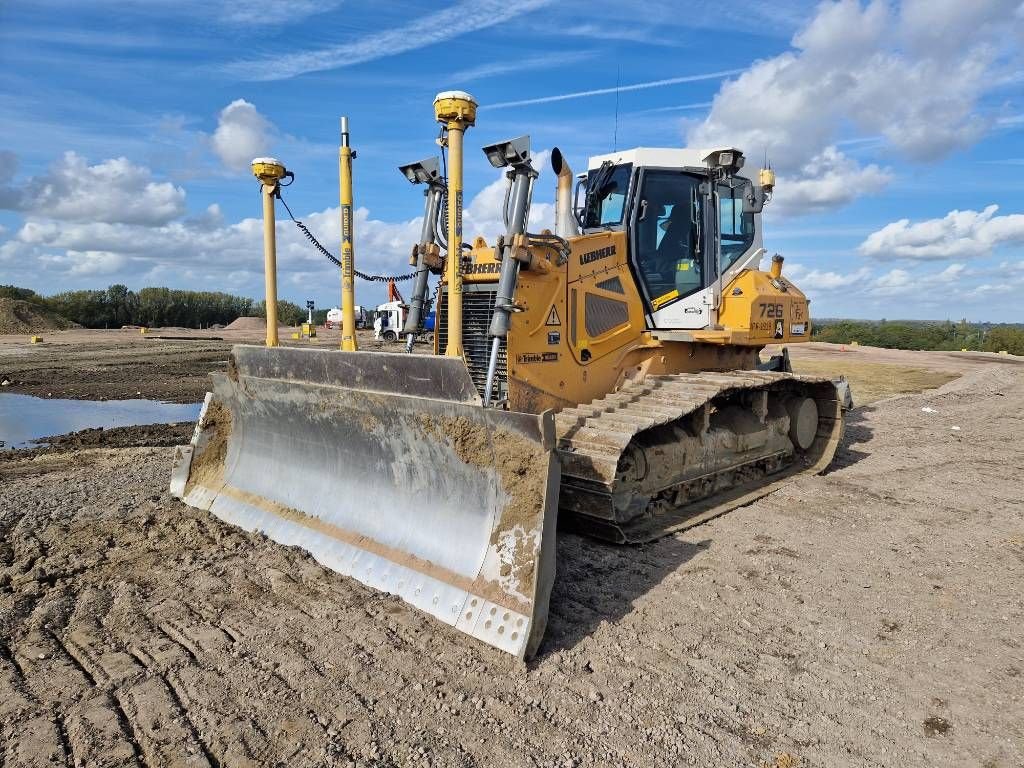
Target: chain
[(334, 259)]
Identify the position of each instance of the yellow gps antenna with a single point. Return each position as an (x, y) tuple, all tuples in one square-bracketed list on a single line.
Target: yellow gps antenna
[(456, 110), (348, 256), (269, 171)]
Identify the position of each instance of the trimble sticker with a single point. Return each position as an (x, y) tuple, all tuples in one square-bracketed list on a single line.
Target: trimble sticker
[(537, 357), (798, 329), (600, 253), (346, 223)]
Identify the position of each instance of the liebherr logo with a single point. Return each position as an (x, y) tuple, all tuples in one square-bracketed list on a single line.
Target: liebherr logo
[(600, 253), (482, 269)]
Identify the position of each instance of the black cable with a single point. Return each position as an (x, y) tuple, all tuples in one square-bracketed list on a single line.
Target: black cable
[(442, 211), (337, 262), (308, 234)]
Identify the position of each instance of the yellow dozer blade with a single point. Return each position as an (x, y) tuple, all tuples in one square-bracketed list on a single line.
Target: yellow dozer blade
[(386, 468)]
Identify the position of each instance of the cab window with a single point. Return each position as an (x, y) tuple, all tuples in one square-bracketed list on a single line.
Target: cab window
[(606, 195), (736, 228), (668, 242)]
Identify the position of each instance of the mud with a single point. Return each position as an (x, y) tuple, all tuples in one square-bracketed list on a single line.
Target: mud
[(173, 371), (522, 467), (145, 435), (126, 364), (869, 616), (207, 467), (521, 464)]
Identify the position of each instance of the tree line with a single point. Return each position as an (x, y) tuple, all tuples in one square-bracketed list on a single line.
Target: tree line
[(917, 334), (163, 307), (153, 307)]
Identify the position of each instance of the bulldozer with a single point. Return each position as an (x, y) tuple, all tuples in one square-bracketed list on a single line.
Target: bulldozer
[(602, 377)]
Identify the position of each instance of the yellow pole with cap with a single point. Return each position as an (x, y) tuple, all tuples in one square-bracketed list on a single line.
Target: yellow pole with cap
[(270, 172), (456, 110), (348, 266)]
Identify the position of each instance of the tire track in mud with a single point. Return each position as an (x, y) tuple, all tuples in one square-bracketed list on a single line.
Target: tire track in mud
[(183, 707), (219, 653), (125, 724)]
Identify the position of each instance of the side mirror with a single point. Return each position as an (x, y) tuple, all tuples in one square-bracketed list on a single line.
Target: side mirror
[(753, 199), (577, 209)]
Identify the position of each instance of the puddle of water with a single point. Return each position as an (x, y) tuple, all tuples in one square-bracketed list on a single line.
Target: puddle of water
[(25, 419)]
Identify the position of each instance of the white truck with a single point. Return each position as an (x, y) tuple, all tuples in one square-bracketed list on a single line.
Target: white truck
[(390, 321), (334, 317)]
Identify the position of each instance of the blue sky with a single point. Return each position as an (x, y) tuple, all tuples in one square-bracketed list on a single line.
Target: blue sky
[(896, 128)]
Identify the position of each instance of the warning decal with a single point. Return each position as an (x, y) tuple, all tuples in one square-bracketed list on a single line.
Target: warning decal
[(553, 317)]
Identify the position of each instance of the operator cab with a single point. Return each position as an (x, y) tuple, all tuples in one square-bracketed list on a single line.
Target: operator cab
[(692, 224)]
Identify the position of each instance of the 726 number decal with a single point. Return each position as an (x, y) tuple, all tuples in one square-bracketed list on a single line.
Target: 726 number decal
[(771, 310)]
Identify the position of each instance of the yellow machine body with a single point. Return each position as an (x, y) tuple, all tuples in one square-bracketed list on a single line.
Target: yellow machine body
[(559, 354)]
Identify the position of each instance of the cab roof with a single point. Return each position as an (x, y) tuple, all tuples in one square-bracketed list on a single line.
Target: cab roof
[(656, 157)]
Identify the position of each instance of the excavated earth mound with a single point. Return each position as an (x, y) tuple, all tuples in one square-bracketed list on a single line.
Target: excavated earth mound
[(18, 316), (246, 324)]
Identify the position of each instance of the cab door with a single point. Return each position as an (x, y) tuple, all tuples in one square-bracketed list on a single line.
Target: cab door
[(668, 248)]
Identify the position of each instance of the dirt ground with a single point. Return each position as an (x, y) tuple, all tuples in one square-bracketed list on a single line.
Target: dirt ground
[(867, 617), (173, 364), (169, 364)]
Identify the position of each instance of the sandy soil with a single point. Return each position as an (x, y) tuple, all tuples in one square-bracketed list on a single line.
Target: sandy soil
[(170, 364), (844, 354), (867, 617), (142, 436)]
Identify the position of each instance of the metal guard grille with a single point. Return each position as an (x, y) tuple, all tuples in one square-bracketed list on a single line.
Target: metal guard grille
[(477, 307)]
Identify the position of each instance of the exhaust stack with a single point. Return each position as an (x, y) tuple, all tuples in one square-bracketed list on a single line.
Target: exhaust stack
[(565, 222)]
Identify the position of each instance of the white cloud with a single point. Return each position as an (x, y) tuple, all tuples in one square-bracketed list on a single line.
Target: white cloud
[(89, 263), (543, 61), (242, 134), (614, 89), (459, 19), (265, 12), (912, 284), (646, 35), (113, 191), (906, 283), (821, 281), (204, 250), (959, 234), (913, 76), (828, 180)]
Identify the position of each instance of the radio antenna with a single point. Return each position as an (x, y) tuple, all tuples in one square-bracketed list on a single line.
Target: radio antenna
[(615, 133)]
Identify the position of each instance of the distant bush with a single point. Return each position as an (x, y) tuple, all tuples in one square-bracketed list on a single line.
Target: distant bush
[(189, 309), (287, 313), (1009, 338), (157, 307), (21, 294), (917, 334)]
